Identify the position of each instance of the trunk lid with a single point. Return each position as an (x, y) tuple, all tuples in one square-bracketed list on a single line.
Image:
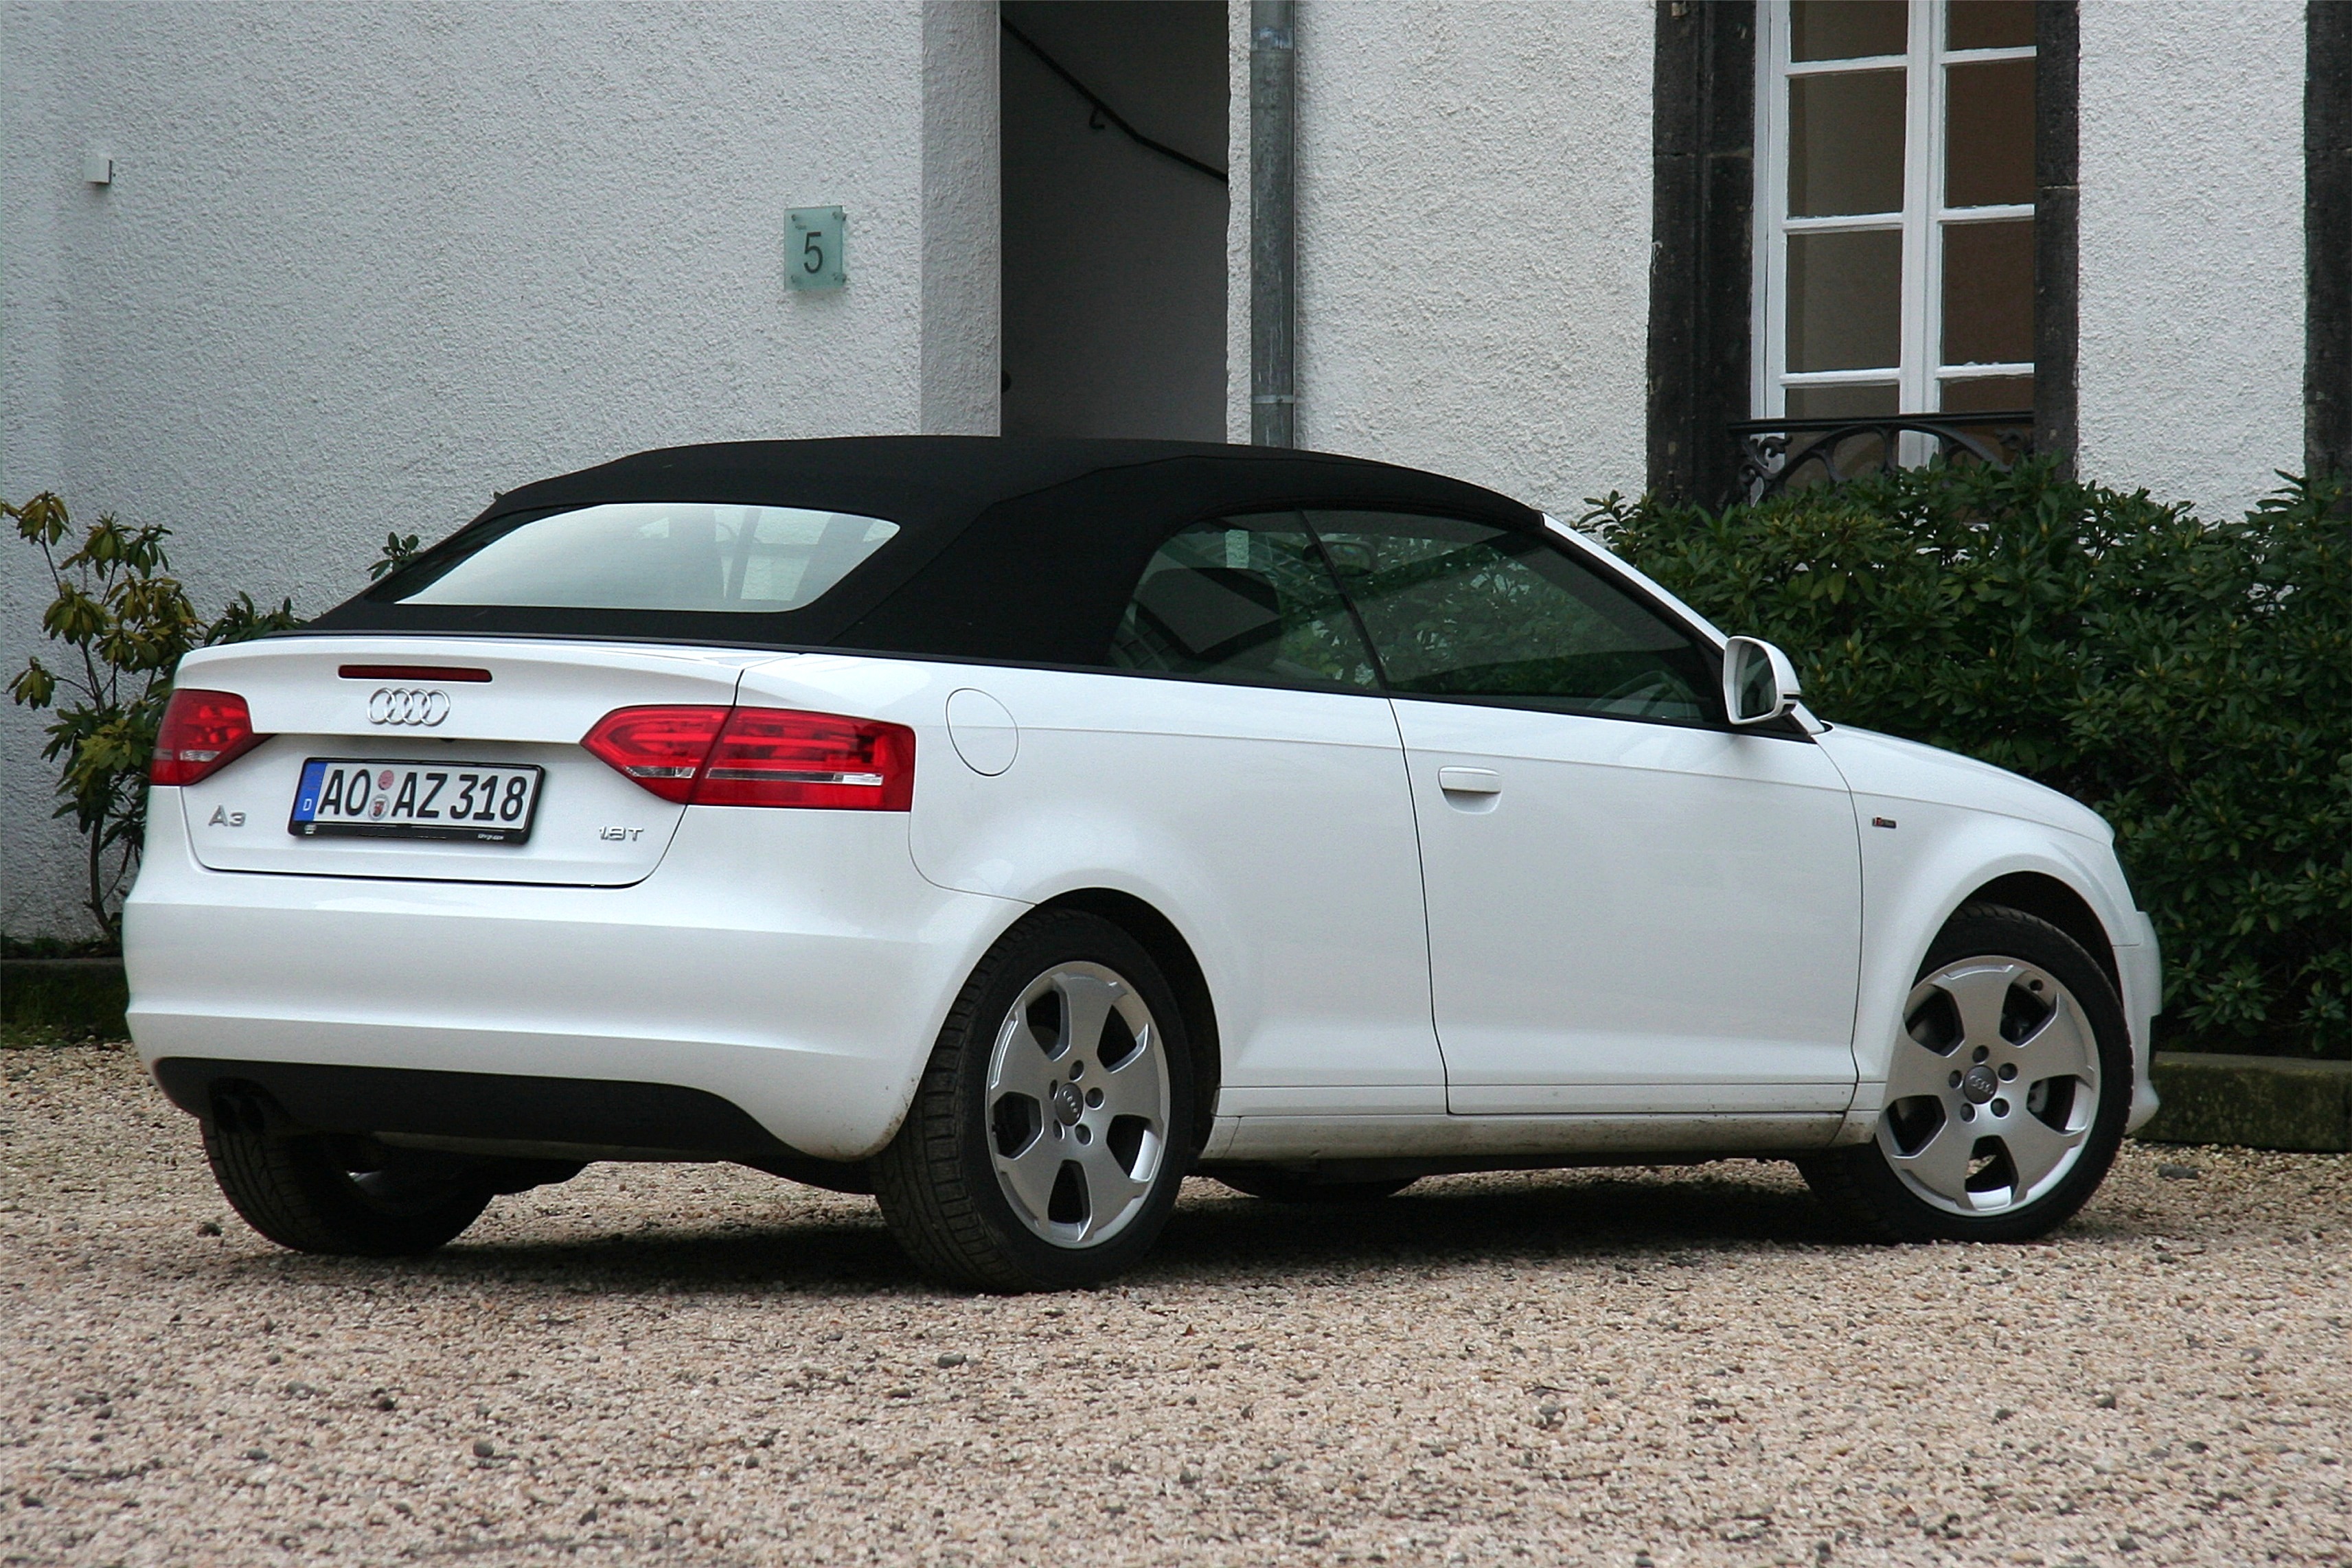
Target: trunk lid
[(590, 827)]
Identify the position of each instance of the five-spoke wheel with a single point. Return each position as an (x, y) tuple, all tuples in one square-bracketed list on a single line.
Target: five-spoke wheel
[(1077, 1103), (1053, 1124), (2007, 1087), (1993, 1086)]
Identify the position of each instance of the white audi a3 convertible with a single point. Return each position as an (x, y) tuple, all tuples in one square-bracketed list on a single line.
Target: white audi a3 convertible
[(1009, 829)]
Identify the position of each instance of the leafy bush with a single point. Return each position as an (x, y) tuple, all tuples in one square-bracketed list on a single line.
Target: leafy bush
[(2191, 680), (124, 621)]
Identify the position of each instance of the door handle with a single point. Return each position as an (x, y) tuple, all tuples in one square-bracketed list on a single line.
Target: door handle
[(1469, 781)]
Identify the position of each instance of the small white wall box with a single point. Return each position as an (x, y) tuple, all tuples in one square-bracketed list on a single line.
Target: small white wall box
[(816, 248), (98, 168)]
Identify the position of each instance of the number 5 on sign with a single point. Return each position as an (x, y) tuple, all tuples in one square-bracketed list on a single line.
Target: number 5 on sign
[(816, 247)]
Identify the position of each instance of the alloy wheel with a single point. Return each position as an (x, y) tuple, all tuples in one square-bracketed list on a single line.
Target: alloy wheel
[(1994, 1087), (1077, 1105)]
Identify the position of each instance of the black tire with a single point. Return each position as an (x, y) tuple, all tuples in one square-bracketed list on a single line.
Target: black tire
[(937, 1180), (298, 1191), (1859, 1184), (1278, 1186)]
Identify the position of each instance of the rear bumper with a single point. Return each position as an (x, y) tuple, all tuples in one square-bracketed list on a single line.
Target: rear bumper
[(584, 1116), (793, 966)]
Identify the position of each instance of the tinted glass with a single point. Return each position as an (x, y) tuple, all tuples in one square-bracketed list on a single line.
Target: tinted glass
[(1988, 292), (1845, 301), (1991, 24), (652, 555), (1459, 608), (1852, 454), (1244, 599), (1847, 30), (1989, 394), (1989, 154), (1845, 143), (1848, 400)]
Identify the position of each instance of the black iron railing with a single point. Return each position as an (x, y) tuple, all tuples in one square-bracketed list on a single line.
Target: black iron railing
[(1777, 454)]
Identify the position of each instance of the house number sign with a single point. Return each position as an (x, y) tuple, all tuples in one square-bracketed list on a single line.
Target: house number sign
[(816, 248)]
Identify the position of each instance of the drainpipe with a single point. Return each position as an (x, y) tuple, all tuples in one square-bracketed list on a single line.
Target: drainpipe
[(1274, 222)]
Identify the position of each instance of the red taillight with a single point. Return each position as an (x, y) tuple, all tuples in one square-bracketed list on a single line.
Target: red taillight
[(201, 733), (660, 748), (774, 757), (760, 756)]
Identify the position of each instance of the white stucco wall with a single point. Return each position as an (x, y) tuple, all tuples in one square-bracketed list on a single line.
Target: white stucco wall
[(360, 265), (962, 231), (1475, 240), (2192, 247)]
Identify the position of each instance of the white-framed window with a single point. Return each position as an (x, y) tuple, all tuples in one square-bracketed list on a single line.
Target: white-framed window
[(1895, 207)]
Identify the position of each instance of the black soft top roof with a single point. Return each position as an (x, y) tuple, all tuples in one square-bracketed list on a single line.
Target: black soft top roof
[(1010, 547)]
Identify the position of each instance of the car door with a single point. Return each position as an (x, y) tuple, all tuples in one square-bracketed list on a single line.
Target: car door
[(1632, 907), (1237, 766)]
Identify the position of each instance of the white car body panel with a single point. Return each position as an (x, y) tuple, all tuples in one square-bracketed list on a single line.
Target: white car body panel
[(540, 699), (1693, 941), (1884, 771), (1959, 824), (1881, 765), (791, 962), (1184, 794), (1635, 916), (1307, 1139)]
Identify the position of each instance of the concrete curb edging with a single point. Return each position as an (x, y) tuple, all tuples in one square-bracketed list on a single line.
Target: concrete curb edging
[(2254, 1101), (78, 995)]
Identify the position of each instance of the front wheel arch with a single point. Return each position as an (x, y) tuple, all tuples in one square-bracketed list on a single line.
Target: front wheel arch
[(2046, 898)]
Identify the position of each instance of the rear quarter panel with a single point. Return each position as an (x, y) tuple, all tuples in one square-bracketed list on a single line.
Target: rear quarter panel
[(1273, 828)]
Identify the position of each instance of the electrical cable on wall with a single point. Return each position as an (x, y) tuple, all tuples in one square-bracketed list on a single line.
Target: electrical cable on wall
[(1105, 111)]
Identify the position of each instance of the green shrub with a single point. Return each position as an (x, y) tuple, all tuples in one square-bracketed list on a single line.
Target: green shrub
[(2191, 680), (123, 621)]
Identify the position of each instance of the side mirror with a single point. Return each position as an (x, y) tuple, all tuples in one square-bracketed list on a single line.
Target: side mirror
[(1759, 683)]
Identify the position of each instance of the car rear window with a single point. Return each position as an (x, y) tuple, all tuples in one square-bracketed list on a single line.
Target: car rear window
[(650, 555)]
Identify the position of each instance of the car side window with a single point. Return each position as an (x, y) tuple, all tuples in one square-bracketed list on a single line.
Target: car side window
[(1243, 599), (1460, 609)]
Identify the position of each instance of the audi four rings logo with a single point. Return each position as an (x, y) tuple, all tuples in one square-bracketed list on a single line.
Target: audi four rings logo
[(407, 705)]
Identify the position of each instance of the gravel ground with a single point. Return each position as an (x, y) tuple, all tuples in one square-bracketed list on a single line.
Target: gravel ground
[(702, 1365)]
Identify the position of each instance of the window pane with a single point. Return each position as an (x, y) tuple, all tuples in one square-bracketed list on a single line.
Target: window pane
[(1989, 394), (1988, 292), (1847, 30), (1851, 455), (1844, 401), (1462, 610), (1244, 599), (1845, 301), (1990, 25), (652, 555), (1989, 154), (1845, 143)]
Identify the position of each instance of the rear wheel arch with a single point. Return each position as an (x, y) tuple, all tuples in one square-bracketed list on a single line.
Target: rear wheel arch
[(2046, 898), (1159, 936)]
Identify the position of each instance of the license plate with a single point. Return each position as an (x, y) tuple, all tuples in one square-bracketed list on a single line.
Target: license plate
[(479, 802)]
